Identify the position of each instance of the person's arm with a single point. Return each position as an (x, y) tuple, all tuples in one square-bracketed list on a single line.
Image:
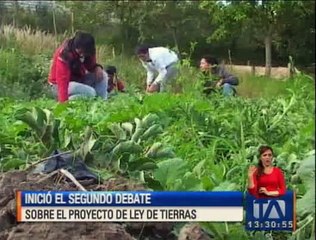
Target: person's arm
[(90, 63), (227, 77), (269, 193), (161, 76), (92, 66), (252, 184), (150, 74), (120, 85), (63, 75), (162, 71), (106, 79), (232, 80), (252, 181)]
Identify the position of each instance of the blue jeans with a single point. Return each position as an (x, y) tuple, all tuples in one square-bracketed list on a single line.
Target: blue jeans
[(228, 90), (89, 87)]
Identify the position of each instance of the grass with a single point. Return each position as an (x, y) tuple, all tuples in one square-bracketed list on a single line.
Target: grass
[(260, 86), (30, 41)]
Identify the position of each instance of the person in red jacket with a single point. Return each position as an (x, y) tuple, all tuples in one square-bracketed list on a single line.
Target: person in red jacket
[(74, 72), (265, 180), (114, 83)]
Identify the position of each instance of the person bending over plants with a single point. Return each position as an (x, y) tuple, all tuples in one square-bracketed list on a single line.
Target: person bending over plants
[(159, 60), (265, 180), (216, 77), (114, 83), (74, 72)]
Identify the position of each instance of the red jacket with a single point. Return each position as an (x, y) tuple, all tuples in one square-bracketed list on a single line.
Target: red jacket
[(272, 182), (63, 71)]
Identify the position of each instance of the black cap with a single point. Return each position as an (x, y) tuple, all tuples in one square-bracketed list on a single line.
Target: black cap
[(110, 70)]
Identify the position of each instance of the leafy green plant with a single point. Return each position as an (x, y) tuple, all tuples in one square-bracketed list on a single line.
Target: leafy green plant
[(306, 203), (172, 142), (44, 125)]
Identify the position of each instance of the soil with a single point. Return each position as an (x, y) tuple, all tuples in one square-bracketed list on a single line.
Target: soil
[(22, 180)]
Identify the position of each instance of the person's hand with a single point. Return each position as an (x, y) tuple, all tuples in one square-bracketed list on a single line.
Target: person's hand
[(264, 191), (99, 73), (153, 88), (219, 83), (251, 171)]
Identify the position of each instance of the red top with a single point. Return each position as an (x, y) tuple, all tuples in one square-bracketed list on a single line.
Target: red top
[(119, 85), (62, 71), (272, 182)]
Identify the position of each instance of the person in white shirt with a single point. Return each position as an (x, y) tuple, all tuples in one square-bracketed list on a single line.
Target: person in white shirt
[(159, 60)]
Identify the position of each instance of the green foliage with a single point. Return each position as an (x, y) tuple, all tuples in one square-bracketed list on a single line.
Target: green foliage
[(306, 203), (238, 26), (256, 22), (44, 125), (22, 76), (169, 141)]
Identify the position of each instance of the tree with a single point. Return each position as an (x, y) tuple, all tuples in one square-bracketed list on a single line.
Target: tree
[(127, 23), (297, 36), (263, 20), (173, 23)]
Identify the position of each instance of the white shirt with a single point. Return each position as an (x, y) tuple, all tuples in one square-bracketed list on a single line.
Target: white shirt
[(161, 58)]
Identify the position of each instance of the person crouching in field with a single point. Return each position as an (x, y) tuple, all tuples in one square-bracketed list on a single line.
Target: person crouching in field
[(265, 180), (74, 72), (114, 83), (217, 77), (159, 60)]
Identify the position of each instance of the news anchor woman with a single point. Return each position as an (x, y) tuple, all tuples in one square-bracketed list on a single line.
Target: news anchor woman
[(265, 180)]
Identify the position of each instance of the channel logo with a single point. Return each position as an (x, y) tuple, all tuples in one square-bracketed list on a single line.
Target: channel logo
[(271, 209), (271, 213)]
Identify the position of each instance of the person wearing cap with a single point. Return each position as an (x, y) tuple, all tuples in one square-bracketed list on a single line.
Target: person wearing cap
[(158, 60), (114, 83), (74, 72)]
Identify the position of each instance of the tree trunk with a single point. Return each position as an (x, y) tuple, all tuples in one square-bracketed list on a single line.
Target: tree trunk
[(72, 23), (55, 26), (175, 40), (268, 55)]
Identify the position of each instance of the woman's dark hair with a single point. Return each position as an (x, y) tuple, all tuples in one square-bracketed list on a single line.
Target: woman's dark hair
[(84, 41), (262, 150), (111, 70), (210, 60), (81, 40)]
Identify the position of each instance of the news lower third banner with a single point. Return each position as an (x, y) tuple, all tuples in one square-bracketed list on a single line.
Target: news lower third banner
[(66, 206), (271, 213)]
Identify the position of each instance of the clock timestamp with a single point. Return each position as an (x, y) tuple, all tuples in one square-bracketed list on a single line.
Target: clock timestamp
[(269, 225)]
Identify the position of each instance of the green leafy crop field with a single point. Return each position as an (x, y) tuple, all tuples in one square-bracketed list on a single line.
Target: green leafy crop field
[(173, 141)]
